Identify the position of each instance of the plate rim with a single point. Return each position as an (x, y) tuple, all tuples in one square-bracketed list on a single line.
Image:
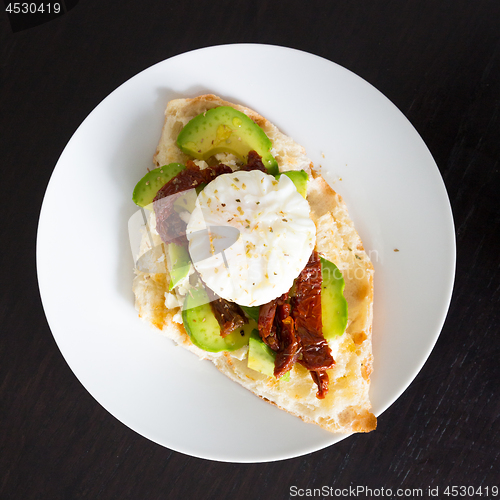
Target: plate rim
[(440, 321)]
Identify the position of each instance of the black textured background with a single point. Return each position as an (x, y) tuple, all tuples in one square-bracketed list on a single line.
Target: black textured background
[(437, 60)]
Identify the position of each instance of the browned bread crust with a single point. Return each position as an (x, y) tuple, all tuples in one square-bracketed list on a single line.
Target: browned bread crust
[(347, 407)]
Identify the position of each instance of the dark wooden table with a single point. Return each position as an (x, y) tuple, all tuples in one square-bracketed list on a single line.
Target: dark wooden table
[(439, 62)]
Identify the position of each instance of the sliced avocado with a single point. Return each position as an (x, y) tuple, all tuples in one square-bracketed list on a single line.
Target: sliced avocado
[(225, 129), (179, 263), (203, 328), (299, 178), (252, 312), (333, 303), (146, 189), (261, 357)]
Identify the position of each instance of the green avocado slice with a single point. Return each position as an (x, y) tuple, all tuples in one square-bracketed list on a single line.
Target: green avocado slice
[(333, 302), (225, 129), (252, 312), (203, 328), (146, 189), (261, 357), (299, 178), (180, 264)]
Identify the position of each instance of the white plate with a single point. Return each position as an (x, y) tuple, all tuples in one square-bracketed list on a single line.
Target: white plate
[(389, 181)]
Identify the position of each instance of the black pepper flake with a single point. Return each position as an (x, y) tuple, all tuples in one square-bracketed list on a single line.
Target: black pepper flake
[(242, 333), (223, 204), (238, 200)]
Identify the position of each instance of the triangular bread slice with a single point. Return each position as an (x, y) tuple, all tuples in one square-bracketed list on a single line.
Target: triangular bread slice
[(346, 408)]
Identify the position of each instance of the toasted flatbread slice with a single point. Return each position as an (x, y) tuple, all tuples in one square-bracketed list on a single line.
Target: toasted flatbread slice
[(346, 408)]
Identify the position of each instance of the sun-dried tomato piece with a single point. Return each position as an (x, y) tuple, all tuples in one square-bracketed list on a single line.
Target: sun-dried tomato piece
[(254, 162), (321, 379), (289, 347), (306, 312), (266, 325), (228, 314)]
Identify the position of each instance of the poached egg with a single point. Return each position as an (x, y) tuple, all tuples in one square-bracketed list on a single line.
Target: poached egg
[(250, 236)]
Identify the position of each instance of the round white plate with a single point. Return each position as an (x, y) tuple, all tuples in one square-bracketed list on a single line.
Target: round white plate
[(370, 154)]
